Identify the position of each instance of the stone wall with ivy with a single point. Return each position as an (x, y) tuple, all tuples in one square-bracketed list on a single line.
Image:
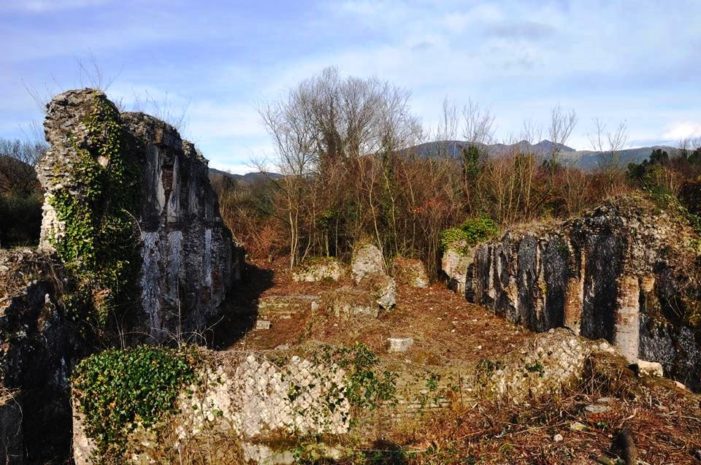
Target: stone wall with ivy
[(156, 405), (626, 271), (130, 211)]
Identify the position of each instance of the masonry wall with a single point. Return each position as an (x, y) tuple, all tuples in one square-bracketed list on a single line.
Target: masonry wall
[(188, 258), (620, 272)]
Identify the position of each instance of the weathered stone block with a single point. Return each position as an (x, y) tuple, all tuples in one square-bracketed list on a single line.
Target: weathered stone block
[(410, 272), (319, 269), (400, 344), (649, 368), (367, 260)]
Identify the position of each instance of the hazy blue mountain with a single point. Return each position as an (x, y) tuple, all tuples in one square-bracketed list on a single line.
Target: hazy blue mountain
[(585, 159), (248, 178)]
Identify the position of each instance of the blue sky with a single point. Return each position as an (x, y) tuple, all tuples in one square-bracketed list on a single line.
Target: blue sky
[(217, 62)]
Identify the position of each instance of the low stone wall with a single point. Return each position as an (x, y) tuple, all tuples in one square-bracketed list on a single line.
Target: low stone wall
[(266, 403), (250, 398), (620, 272)]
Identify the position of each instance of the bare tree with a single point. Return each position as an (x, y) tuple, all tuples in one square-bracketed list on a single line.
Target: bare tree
[(608, 143), (562, 123), (478, 124), (324, 132), (531, 132)]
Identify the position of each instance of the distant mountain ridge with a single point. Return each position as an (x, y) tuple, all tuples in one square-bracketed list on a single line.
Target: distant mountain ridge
[(584, 159), (248, 178)]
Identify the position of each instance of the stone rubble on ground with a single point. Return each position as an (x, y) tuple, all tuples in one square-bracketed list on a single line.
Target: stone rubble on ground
[(319, 269), (400, 344), (410, 272)]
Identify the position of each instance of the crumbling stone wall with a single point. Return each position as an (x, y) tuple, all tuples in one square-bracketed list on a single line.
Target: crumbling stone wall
[(620, 272), (265, 403), (37, 349), (250, 399), (187, 257)]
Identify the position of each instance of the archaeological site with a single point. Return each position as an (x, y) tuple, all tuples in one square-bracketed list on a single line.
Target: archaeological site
[(139, 330)]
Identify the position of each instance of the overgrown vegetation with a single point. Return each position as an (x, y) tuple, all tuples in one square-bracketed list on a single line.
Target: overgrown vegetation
[(471, 232), (120, 390), (20, 194), (344, 148), (98, 246), (367, 387)]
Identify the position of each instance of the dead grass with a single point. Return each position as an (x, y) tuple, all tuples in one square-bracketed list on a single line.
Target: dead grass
[(664, 420), (446, 329)]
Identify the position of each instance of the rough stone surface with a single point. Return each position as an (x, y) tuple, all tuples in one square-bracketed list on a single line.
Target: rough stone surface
[(348, 302), (188, 257), (319, 269), (454, 264), (650, 368), (547, 364), (37, 351), (367, 260), (620, 272), (400, 344), (410, 272), (11, 443)]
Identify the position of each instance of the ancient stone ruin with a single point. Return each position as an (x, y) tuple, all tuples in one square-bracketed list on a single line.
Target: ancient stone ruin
[(132, 249), (622, 272), (188, 259)]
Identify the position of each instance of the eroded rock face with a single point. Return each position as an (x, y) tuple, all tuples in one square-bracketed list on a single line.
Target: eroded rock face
[(37, 350), (410, 272), (367, 260), (188, 259), (621, 272)]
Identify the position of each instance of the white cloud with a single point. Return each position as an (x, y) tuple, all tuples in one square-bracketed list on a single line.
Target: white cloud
[(682, 130), (234, 168)]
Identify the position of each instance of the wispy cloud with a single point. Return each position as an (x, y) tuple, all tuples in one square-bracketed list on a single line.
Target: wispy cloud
[(683, 130), (216, 62)]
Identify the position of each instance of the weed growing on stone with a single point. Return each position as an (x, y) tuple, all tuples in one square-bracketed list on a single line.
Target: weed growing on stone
[(120, 390), (468, 234), (98, 244)]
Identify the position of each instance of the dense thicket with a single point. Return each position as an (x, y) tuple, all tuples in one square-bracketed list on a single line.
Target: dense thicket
[(348, 174), (20, 193)]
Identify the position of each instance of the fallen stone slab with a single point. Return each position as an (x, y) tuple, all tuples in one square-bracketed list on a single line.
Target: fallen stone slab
[(400, 344)]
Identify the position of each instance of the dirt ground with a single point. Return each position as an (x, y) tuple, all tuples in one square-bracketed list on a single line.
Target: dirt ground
[(663, 419)]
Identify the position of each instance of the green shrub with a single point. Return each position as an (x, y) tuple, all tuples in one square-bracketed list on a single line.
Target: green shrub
[(468, 234), (121, 389)]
